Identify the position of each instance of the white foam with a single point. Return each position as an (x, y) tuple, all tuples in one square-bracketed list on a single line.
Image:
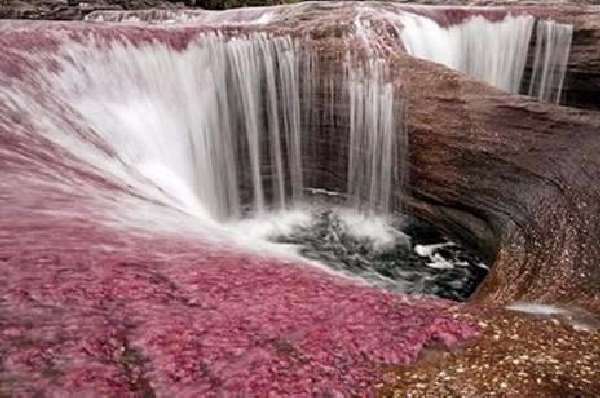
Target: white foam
[(536, 308), (323, 191), (376, 229), (427, 250), (438, 262)]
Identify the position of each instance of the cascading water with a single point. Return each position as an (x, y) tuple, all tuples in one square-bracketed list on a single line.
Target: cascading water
[(495, 52), (203, 124), (552, 48), (219, 124), (375, 132)]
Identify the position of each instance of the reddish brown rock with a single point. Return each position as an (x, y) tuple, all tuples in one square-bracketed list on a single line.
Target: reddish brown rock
[(516, 175)]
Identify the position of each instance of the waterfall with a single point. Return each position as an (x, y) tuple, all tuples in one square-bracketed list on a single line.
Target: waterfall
[(221, 124), (374, 133), (210, 125), (494, 52), (232, 122), (214, 125), (552, 48)]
